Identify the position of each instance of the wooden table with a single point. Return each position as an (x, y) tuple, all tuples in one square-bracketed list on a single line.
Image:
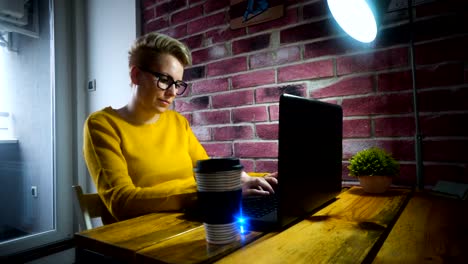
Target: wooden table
[(396, 227)]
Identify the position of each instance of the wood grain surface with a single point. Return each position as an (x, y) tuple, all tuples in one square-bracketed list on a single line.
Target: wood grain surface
[(432, 229), (343, 232), (191, 247), (123, 239)]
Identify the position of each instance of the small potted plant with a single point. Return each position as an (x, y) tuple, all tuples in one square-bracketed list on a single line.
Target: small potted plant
[(375, 168)]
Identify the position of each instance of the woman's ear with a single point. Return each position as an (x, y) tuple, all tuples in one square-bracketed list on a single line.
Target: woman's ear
[(135, 75)]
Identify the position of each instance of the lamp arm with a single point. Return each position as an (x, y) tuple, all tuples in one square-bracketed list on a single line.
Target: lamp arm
[(418, 135)]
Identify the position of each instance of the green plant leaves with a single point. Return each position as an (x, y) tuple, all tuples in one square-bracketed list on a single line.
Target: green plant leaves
[(373, 162)]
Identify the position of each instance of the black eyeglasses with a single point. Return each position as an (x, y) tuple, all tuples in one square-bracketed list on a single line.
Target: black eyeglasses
[(165, 81)]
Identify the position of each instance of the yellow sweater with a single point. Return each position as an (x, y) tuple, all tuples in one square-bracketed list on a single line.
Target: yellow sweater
[(139, 169)]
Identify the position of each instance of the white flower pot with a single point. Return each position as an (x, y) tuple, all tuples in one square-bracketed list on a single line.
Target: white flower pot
[(375, 184)]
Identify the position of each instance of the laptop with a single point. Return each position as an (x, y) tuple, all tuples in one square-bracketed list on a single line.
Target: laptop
[(309, 164)]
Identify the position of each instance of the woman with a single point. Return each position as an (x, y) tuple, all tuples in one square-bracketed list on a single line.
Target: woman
[(141, 156)]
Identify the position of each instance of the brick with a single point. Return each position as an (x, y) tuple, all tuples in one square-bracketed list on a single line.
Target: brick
[(193, 42), (232, 99), (310, 70), (401, 149), (210, 86), (237, 9), (157, 24), (308, 31), (194, 1), (256, 149), (394, 81), (273, 111), (176, 32), (194, 73), (272, 94), (399, 126), (250, 114), (273, 58), (202, 133), (356, 128), (224, 34), (170, 6), (445, 150), (380, 60), (187, 14), (289, 18), (238, 64), (253, 78), (440, 7), (453, 49), (331, 101), (378, 104), (267, 131), (334, 46), (440, 26), (206, 22), (269, 166), (249, 165), (148, 14), (251, 44), (192, 104), (346, 86), (218, 149), (447, 172), (440, 75), (439, 125), (214, 5), (233, 133), (211, 117), (391, 36), (147, 3), (209, 54), (315, 10), (443, 100), (388, 37), (407, 175)]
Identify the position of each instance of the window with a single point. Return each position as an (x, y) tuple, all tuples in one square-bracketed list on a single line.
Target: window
[(35, 109)]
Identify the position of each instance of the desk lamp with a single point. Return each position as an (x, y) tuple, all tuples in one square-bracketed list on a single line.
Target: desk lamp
[(360, 19)]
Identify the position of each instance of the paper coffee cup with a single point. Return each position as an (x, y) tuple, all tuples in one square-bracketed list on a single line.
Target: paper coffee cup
[(219, 194)]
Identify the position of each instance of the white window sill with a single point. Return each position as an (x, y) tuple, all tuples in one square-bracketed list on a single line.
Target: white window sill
[(8, 140)]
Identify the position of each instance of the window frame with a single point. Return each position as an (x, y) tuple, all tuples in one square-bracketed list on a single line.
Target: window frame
[(62, 135)]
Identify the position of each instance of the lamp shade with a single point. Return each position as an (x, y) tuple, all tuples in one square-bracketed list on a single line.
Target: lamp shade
[(355, 17)]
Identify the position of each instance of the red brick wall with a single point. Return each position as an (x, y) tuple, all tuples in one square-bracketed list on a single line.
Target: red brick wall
[(238, 75)]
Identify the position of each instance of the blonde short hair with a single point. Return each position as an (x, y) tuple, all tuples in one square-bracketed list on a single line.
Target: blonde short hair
[(148, 47)]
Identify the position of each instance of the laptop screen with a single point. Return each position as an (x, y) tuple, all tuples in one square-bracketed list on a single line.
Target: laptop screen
[(310, 155), (309, 161)]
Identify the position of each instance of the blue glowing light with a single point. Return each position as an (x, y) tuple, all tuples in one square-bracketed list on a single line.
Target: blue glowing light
[(242, 223), (355, 17)]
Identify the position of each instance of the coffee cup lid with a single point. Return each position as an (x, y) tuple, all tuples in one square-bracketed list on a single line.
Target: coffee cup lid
[(218, 164)]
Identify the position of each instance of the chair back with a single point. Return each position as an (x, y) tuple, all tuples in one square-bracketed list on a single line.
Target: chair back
[(88, 206)]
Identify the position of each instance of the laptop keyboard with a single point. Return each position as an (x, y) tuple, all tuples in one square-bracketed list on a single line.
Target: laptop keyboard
[(258, 206)]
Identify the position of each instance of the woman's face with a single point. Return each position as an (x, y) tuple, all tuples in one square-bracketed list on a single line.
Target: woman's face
[(148, 95)]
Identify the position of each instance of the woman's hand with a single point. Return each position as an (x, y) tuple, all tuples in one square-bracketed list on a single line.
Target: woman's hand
[(258, 185)]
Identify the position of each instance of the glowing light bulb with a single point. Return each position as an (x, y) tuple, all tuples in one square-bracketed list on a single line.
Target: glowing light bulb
[(355, 17)]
